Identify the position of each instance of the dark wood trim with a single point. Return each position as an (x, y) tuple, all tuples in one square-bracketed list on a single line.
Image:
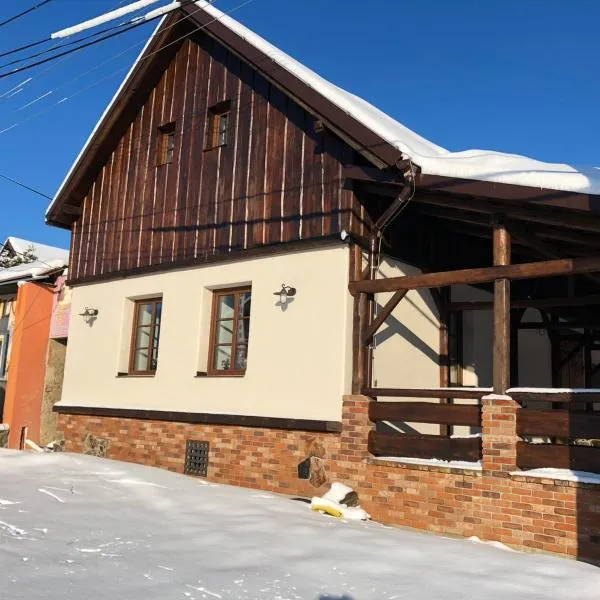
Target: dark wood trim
[(558, 423), (371, 175), (507, 192), (538, 214), (457, 392), (384, 313), (355, 273), (501, 356), (581, 458), (426, 412), (236, 292), (203, 418), (424, 446), (556, 396), (530, 303), (548, 268), (262, 251), (444, 348)]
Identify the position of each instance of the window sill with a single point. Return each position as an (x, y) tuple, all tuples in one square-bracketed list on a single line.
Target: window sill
[(136, 374), (213, 375), (208, 149)]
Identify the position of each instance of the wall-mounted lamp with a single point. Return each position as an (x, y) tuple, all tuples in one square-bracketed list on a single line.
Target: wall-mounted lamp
[(285, 293), (89, 315)]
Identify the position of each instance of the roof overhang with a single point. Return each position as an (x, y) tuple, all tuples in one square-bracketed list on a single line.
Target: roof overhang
[(148, 68)]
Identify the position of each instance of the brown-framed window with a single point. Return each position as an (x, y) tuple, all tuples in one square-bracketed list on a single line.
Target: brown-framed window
[(165, 144), (145, 336), (230, 330), (217, 125)]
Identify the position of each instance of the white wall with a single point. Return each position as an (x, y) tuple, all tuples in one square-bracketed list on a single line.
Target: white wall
[(406, 350), (535, 366), (298, 359)]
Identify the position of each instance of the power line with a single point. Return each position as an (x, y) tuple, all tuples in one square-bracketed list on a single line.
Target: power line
[(25, 12), (23, 185), (59, 46), (118, 71), (110, 33)]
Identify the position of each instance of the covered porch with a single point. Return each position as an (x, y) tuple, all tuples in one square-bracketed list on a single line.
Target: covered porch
[(533, 258)]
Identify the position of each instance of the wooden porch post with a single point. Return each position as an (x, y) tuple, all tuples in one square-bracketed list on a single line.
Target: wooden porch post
[(444, 355), (359, 320), (501, 367)]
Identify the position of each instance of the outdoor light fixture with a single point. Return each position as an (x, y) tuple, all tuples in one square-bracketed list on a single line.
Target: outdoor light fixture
[(89, 315), (285, 293)]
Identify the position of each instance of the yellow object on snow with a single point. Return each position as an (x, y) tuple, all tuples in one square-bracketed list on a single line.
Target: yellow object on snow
[(326, 508)]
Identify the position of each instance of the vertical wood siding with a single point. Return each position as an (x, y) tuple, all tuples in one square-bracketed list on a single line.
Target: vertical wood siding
[(276, 180)]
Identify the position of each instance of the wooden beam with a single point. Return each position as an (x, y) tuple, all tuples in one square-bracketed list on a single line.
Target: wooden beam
[(358, 318), (557, 218), (557, 423), (554, 396), (549, 268), (424, 446), (426, 412), (444, 349), (380, 319), (453, 392), (544, 250), (580, 458), (501, 355), (589, 300), (70, 209), (479, 216), (371, 174)]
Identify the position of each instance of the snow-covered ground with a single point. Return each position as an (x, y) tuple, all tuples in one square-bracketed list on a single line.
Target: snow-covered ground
[(74, 526)]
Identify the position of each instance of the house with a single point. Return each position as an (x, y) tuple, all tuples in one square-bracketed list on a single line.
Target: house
[(31, 282), (269, 268)]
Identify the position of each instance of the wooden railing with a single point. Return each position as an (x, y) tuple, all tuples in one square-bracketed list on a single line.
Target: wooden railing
[(570, 429), (424, 445)]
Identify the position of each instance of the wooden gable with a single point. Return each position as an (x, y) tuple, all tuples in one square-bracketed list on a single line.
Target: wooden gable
[(277, 179)]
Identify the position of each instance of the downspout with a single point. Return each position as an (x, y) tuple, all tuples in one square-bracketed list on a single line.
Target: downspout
[(409, 172)]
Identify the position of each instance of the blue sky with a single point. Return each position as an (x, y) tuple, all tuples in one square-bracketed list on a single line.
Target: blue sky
[(516, 76)]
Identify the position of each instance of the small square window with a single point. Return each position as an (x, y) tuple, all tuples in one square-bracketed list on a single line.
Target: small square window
[(217, 125), (165, 144), (230, 332)]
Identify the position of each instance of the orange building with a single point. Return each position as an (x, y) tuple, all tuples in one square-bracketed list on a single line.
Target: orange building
[(31, 292)]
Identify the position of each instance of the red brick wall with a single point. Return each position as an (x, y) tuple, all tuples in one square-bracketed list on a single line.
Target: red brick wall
[(525, 512)]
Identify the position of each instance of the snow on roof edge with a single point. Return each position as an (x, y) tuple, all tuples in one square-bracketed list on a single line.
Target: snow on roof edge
[(480, 165)]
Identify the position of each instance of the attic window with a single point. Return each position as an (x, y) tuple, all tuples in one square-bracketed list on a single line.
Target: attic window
[(165, 144), (217, 125)]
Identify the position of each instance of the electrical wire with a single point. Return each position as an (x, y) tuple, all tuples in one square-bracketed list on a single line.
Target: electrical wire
[(23, 185), (119, 71), (23, 13), (88, 40), (94, 68)]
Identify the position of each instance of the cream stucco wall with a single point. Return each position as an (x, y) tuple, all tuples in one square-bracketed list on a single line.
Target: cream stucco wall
[(298, 358), (406, 348)]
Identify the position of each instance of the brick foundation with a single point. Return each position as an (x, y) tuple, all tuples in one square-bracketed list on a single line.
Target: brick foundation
[(525, 512)]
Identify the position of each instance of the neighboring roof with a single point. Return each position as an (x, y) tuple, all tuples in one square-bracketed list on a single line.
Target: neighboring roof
[(49, 260), (478, 165)]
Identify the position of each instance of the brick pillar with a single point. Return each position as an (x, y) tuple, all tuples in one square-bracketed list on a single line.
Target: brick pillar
[(353, 449), (499, 434)]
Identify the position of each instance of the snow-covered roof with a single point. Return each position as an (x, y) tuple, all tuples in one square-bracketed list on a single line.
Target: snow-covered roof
[(480, 165), (48, 260)]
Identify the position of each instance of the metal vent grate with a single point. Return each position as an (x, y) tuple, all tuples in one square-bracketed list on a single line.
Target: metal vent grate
[(196, 458)]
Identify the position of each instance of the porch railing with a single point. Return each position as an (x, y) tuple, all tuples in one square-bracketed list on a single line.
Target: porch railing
[(425, 446), (566, 436)]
